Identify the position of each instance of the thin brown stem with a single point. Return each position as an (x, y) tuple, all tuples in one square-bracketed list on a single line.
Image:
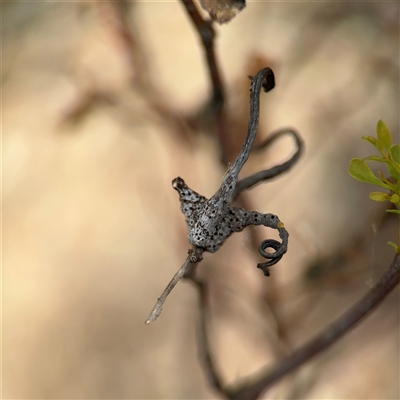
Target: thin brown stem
[(195, 256)]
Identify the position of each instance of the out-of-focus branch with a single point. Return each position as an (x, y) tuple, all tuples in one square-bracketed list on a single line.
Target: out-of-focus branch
[(265, 379), (114, 15), (206, 32), (205, 354)]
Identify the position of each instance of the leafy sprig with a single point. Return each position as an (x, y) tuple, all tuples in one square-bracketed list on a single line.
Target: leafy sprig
[(390, 156)]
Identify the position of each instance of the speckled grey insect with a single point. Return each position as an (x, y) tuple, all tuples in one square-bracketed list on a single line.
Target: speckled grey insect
[(211, 221), (209, 226)]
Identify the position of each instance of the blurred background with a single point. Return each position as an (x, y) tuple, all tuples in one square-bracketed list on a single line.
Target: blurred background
[(96, 124)]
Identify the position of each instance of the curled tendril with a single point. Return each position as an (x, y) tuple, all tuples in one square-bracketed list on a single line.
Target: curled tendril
[(272, 243), (280, 250)]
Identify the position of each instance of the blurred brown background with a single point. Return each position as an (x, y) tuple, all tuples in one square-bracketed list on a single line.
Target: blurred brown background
[(93, 134)]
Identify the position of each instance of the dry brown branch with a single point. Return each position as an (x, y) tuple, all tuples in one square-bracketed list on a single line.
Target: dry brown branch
[(330, 335)]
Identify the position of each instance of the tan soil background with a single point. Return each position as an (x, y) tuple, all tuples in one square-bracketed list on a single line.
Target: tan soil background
[(92, 229)]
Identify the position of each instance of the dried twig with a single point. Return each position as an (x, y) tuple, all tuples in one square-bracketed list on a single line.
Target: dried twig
[(211, 221), (194, 257)]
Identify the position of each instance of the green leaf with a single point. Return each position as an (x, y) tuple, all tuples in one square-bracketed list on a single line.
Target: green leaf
[(359, 170), (393, 168), (372, 140), (383, 135), (395, 152), (395, 198), (379, 196)]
